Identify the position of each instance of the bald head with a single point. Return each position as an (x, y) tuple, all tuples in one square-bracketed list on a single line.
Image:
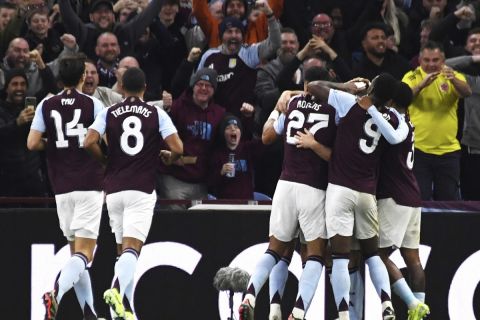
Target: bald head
[(128, 62), (18, 53)]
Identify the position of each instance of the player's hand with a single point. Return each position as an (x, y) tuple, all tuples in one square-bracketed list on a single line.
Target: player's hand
[(194, 54), (227, 168), (365, 102), (167, 100), (304, 139), (166, 157), (69, 40), (25, 116), (282, 103), (247, 110)]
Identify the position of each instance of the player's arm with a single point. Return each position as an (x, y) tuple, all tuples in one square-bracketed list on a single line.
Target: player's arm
[(92, 145), (391, 134), (273, 127), (321, 89), (94, 135), (307, 141), (175, 145), (35, 142)]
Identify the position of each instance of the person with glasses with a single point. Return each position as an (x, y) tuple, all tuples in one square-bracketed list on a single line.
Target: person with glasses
[(196, 118)]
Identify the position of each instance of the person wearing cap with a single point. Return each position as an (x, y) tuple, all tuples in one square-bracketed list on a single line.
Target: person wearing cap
[(196, 117), (103, 19), (236, 64), (377, 58), (256, 30), (233, 180), (20, 169)]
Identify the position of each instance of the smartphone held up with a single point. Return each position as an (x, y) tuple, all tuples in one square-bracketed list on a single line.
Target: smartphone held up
[(30, 103)]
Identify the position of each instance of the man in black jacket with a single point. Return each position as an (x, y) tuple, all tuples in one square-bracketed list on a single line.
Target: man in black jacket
[(20, 169)]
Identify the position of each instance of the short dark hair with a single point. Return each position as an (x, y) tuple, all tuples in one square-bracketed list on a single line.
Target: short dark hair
[(373, 25), (288, 30), (432, 45), (384, 88), (473, 31), (316, 73), (71, 69), (133, 80), (403, 95)]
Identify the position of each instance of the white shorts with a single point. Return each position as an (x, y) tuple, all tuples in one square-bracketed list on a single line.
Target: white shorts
[(131, 213), (295, 204), (399, 225), (79, 213), (348, 210)]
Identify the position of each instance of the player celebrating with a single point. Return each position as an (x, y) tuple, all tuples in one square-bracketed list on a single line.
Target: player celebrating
[(76, 179), (299, 197), (353, 175), (133, 129), (399, 213)]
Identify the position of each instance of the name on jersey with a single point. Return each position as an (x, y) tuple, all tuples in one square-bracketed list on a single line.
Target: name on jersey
[(68, 102), (135, 109), (302, 104)]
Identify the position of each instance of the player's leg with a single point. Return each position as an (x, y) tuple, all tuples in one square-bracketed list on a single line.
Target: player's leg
[(260, 275), (339, 208), (308, 282), (313, 226), (79, 215), (136, 211), (283, 228), (277, 282), (366, 229), (417, 282), (400, 226), (357, 287)]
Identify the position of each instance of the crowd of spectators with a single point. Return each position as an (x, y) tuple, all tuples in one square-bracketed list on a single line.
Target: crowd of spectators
[(219, 66)]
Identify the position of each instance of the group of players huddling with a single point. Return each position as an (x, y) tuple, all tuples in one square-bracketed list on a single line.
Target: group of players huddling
[(346, 185)]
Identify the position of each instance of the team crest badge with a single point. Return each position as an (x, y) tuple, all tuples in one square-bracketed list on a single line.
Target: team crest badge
[(232, 63), (444, 86)]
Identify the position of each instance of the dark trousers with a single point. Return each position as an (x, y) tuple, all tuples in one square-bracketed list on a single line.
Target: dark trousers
[(438, 176), (470, 175)]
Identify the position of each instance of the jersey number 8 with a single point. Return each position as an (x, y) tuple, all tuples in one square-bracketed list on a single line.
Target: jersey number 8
[(132, 127)]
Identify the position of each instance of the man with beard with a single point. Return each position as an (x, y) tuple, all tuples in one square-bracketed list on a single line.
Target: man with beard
[(90, 87), (40, 75), (267, 74), (20, 169), (236, 63), (377, 58), (107, 51)]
